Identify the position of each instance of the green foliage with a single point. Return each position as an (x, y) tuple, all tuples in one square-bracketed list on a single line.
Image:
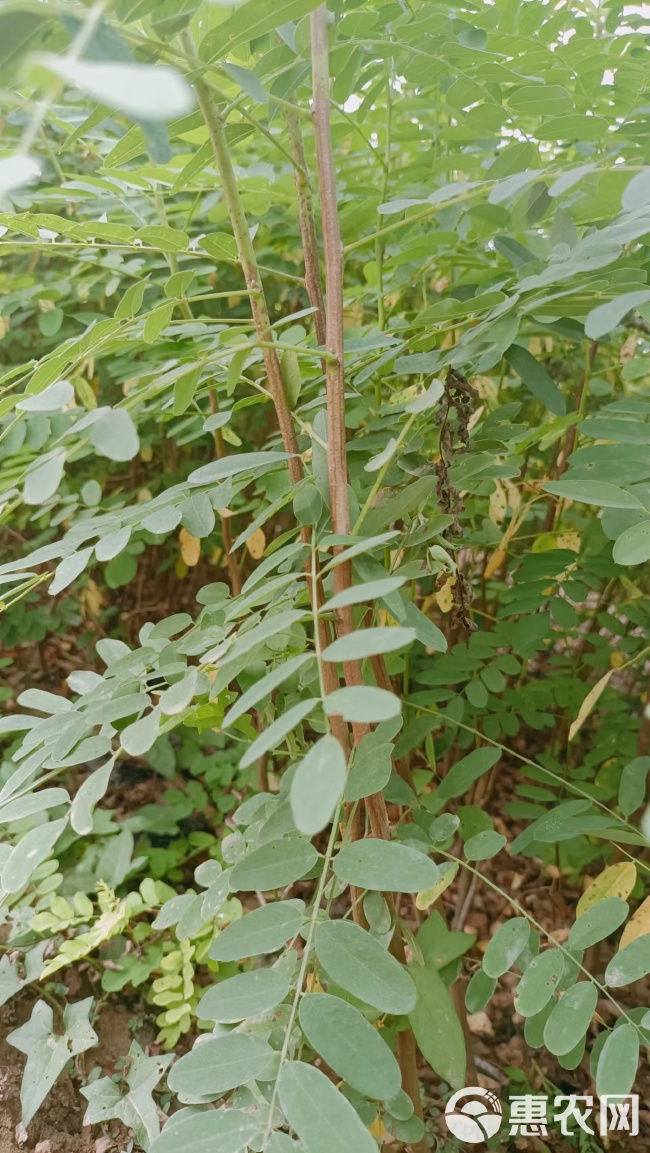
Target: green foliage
[(330, 605)]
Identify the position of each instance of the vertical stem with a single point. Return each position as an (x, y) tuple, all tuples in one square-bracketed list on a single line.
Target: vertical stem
[(333, 249), (379, 245), (226, 535), (336, 439), (307, 224), (259, 308), (335, 368)]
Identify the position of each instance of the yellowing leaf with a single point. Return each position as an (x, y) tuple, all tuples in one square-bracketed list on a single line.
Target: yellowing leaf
[(500, 553), (190, 548), (514, 495), (379, 1131), (569, 540), (256, 543), (589, 703), (430, 896), (494, 563), (498, 504), (638, 926), (617, 660), (91, 599), (445, 595), (614, 881)]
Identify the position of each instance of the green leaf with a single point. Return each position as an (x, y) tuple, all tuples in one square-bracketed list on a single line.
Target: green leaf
[(226, 1130), (48, 1052), (632, 785), (219, 1064), (184, 388), (112, 544), (114, 435), (87, 796), (539, 982), (388, 866), (317, 786), (68, 570), (573, 127), (466, 771), (484, 845), (350, 1045), (156, 323), (131, 302), (437, 1029), (570, 1018), (633, 545), (277, 731), (368, 643), (358, 963), (142, 91), (52, 399), (593, 492), (32, 803), (618, 1061), (363, 703), (179, 695), (197, 515), (363, 593), (246, 995), (372, 765), (480, 990), (265, 930), (250, 20), (138, 738), (232, 465), (323, 1118), (43, 479), (505, 946), (536, 378), (273, 865), (135, 1108), (598, 922), (263, 688), (427, 399), (33, 848), (164, 238), (629, 965), (608, 316), (438, 944)]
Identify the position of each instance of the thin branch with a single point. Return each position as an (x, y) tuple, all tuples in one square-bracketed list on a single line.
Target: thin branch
[(259, 308), (307, 224)]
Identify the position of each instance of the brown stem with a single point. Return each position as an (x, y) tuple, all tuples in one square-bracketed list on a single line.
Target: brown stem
[(407, 1054), (552, 512), (246, 252), (335, 368), (333, 249), (336, 441), (226, 535), (307, 224)]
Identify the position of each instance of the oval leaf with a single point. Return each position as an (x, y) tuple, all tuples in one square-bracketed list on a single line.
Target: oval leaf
[(385, 865), (358, 963), (350, 1045), (265, 930), (323, 1118), (246, 995)]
